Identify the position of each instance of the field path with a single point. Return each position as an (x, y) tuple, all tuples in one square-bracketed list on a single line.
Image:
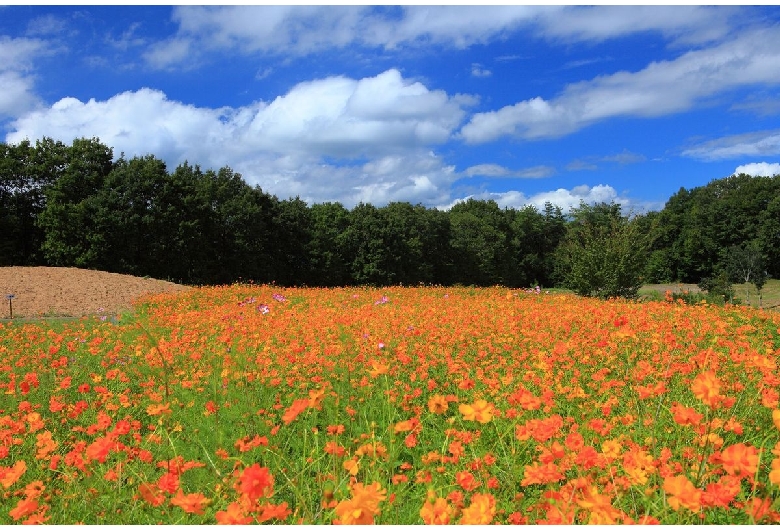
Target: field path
[(67, 291)]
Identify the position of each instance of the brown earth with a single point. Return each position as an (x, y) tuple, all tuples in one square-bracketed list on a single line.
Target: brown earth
[(67, 291)]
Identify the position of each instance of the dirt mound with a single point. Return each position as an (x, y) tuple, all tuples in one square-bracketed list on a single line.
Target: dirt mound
[(66, 291)]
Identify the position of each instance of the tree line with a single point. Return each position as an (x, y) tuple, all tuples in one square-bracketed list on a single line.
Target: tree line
[(74, 205)]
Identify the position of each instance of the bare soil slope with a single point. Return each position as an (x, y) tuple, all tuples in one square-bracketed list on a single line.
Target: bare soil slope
[(66, 291)]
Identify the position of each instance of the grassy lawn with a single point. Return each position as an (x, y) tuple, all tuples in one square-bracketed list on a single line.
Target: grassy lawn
[(746, 293)]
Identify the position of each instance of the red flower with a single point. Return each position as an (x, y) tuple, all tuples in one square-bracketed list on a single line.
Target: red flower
[(191, 502), (255, 482)]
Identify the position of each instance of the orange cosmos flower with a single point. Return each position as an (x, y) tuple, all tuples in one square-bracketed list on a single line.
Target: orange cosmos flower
[(438, 404), (721, 493), (541, 474), (34, 489), (600, 507), (683, 415), (481, 510), (706, 388), (611, 449), (374, 450), (23, 508), (298, 406), (776, 418), (351, 466), (774, 475), (480, 411), (273, 511), (363, 506), (333, 448), (466, 480), (9, 475), (740, 460), (255, 482), (234, 514), (406, 425), (377, 369), (436, 512), (156, 410), (151, 494), (99, 449), (336, 429), (191, 502), (316, 397), (682, 492), (168, 482), (759, 508)]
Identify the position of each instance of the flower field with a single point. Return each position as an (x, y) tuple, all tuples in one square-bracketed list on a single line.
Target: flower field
[(246, 404)]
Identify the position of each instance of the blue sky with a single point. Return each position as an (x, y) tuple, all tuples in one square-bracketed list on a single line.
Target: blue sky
[(430, 105)]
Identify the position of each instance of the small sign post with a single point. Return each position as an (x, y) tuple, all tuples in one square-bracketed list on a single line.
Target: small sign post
[(10, 304)]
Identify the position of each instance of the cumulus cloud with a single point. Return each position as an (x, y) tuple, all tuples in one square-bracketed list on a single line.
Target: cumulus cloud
[(564, 198), (759, 143), (380, 129), (662, 88), (759, 169)]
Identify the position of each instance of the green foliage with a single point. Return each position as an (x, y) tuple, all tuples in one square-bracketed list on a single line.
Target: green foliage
[(603, 253), (479, 242), (746, 264), (719, 287), (70, 220), (73, 206), (697, 226)]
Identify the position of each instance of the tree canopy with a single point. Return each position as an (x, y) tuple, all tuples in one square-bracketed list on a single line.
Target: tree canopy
[(74, 205)]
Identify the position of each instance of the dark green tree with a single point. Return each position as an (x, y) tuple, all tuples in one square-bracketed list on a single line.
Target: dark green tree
[(603, 253), (327, 259), (69, 221), (26, 172), (127, 214), (479, 237), (363, 242), (534, 238), (292, 226)]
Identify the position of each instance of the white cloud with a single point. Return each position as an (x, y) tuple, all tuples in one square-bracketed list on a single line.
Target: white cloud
[(760, 143), (379, 129), (16, 94), (17, 82), (138, 123), (624, 157), (174, 51), (350, 118), (495, 170), (759, 169), (564, 198), (589, 163), (46, 25), (685, 23), (302, 30), (283, 29), (660, 89), (478, 71)]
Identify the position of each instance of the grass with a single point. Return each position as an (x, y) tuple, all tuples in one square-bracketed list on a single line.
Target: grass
[(745, 293), (400, 405)]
